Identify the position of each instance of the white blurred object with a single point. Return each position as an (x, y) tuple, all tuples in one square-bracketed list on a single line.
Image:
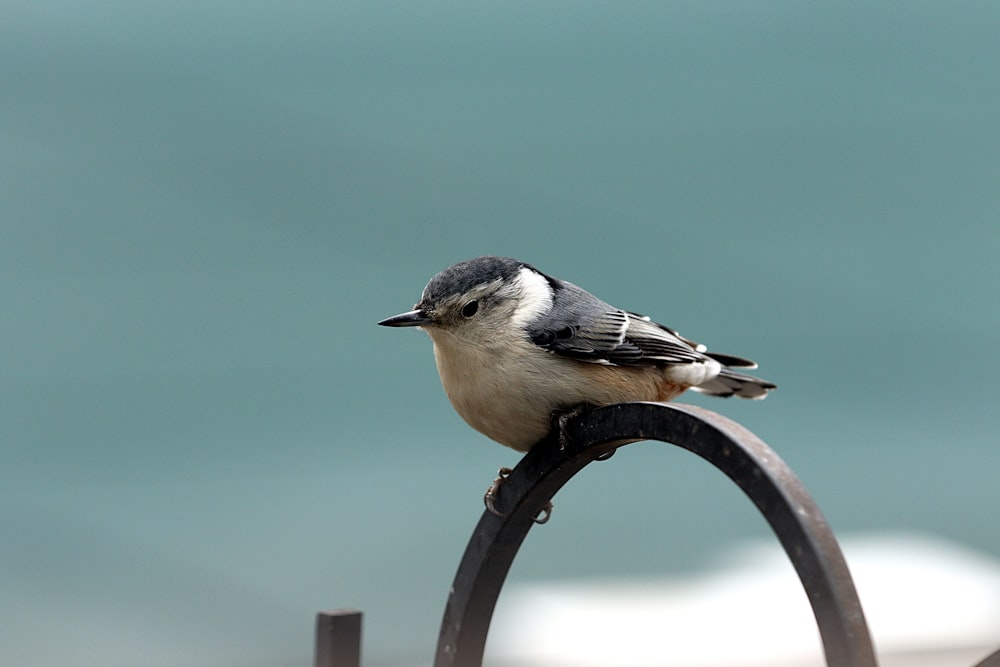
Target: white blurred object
[(927, 601)]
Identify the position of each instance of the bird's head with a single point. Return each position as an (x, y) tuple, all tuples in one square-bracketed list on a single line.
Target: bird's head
[(481, 301)]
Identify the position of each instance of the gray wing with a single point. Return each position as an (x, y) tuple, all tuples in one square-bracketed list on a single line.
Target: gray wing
[(583, 327)]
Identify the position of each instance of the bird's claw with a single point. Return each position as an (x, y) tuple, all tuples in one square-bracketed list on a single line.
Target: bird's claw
[(491, 493), (489, 499), (561, 421), (563, 418)]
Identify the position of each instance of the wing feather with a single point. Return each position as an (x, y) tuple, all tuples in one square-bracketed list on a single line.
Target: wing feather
[(583, 327)]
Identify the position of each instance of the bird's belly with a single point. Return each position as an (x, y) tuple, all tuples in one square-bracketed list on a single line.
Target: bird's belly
[(511, 399), (509, 408)]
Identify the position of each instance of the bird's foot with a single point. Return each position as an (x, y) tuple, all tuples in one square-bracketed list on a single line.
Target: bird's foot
[(562, 418), (491, 496), (491, 493), (545, 514)]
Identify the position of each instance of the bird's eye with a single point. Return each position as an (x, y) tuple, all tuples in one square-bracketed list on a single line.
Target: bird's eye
[(470, 309)]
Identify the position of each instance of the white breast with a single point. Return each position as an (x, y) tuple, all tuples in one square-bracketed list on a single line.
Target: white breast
[(510, 392), (498, 395)]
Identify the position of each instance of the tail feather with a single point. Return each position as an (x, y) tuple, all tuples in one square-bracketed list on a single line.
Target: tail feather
[(732, 383), (731, 360)]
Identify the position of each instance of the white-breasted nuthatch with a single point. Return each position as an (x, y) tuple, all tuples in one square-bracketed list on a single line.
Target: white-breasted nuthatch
[(515, 347)]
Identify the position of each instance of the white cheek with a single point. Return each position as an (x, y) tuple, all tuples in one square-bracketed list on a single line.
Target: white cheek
[(536, 297)]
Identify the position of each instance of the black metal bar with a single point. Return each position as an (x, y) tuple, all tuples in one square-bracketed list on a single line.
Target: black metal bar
[(992, 660), (751, 464), (338, 638)]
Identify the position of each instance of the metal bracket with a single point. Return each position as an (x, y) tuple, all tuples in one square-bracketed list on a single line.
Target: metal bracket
[(593, 434)]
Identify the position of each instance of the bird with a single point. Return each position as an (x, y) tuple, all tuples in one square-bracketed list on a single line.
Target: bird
[(515, 348)]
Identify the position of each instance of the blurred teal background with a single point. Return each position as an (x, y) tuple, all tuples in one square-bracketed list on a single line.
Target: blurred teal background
[(205, 208)]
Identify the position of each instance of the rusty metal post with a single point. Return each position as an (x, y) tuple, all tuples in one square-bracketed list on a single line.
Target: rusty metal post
[(751, 464), (338, 639)]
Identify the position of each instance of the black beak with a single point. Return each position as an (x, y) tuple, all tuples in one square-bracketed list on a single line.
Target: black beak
[(413, 318)]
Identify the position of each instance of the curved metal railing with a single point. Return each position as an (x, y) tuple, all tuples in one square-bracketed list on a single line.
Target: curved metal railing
[(595, 434), (743, 457)]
